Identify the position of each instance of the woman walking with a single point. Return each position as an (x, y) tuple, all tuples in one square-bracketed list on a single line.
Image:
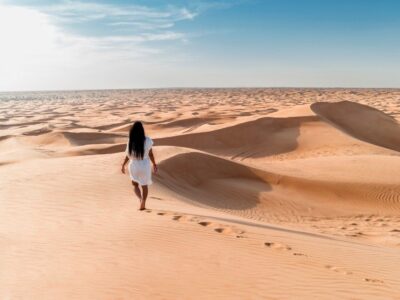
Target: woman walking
[(139, 153)]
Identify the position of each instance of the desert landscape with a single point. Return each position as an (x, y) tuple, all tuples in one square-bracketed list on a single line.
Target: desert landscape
[(260, 194)]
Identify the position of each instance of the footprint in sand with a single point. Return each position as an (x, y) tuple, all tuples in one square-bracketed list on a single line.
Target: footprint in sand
[(338, 270), (230, 231), (240, 236), (204, 223), (357, 234), (217, 228), (225, 230), (299, 254), (277, 246), (373, 280)]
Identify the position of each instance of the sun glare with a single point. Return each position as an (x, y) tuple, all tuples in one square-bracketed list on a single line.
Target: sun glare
[(27, 39)]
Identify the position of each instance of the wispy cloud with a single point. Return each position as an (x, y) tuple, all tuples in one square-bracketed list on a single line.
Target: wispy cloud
[(38, 46), (128, 27), (76, 43), (137, 17)]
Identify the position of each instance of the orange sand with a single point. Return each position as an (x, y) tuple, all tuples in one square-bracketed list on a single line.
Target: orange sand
[(261, 194)]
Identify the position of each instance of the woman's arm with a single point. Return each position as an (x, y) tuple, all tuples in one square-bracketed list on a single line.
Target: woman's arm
[(124, 164), (151, 155)]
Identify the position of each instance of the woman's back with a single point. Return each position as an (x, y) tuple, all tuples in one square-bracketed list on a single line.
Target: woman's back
[(148, 143)]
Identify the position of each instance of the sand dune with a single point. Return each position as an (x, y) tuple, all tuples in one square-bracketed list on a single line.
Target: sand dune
[(85, 138), (261, 194), (362, 122), (189, 122), (259, 138), (95, 149), (114, 125), (70, 140), (213, 181), (265, 195), (79, 233), (291, 137)]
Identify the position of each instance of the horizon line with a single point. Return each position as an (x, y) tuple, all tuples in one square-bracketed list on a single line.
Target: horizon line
[(201, 87)]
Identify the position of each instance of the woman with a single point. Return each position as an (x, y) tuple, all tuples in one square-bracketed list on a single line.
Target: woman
[(139, 153)]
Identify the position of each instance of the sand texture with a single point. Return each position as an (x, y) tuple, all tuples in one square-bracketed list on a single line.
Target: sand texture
[(260, 194)]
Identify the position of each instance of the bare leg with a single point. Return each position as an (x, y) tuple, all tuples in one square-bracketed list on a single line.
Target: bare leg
[(137, 190), (145, 192)]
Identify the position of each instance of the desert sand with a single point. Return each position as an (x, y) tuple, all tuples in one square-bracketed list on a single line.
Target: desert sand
[(261, 194)]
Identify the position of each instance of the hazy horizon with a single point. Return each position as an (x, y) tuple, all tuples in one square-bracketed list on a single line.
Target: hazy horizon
[(198, 88), (107, 45)]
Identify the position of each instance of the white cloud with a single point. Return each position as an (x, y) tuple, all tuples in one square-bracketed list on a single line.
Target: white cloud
[(132, 15), (38, 53)]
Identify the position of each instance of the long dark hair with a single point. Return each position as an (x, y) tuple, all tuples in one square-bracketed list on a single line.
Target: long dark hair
[(137, 138)]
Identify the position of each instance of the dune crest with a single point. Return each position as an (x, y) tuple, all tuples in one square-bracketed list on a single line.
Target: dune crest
[(362, 122), (259, 138)]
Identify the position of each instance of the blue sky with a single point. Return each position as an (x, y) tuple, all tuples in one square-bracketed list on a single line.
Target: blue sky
[(48, 45)]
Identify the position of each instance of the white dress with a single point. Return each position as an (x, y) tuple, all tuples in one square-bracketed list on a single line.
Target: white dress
[(140, 169)]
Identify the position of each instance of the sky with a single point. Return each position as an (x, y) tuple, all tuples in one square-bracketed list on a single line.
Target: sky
[(64, 45)]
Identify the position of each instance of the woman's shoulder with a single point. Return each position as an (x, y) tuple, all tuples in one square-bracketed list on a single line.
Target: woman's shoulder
[(149, 141)]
